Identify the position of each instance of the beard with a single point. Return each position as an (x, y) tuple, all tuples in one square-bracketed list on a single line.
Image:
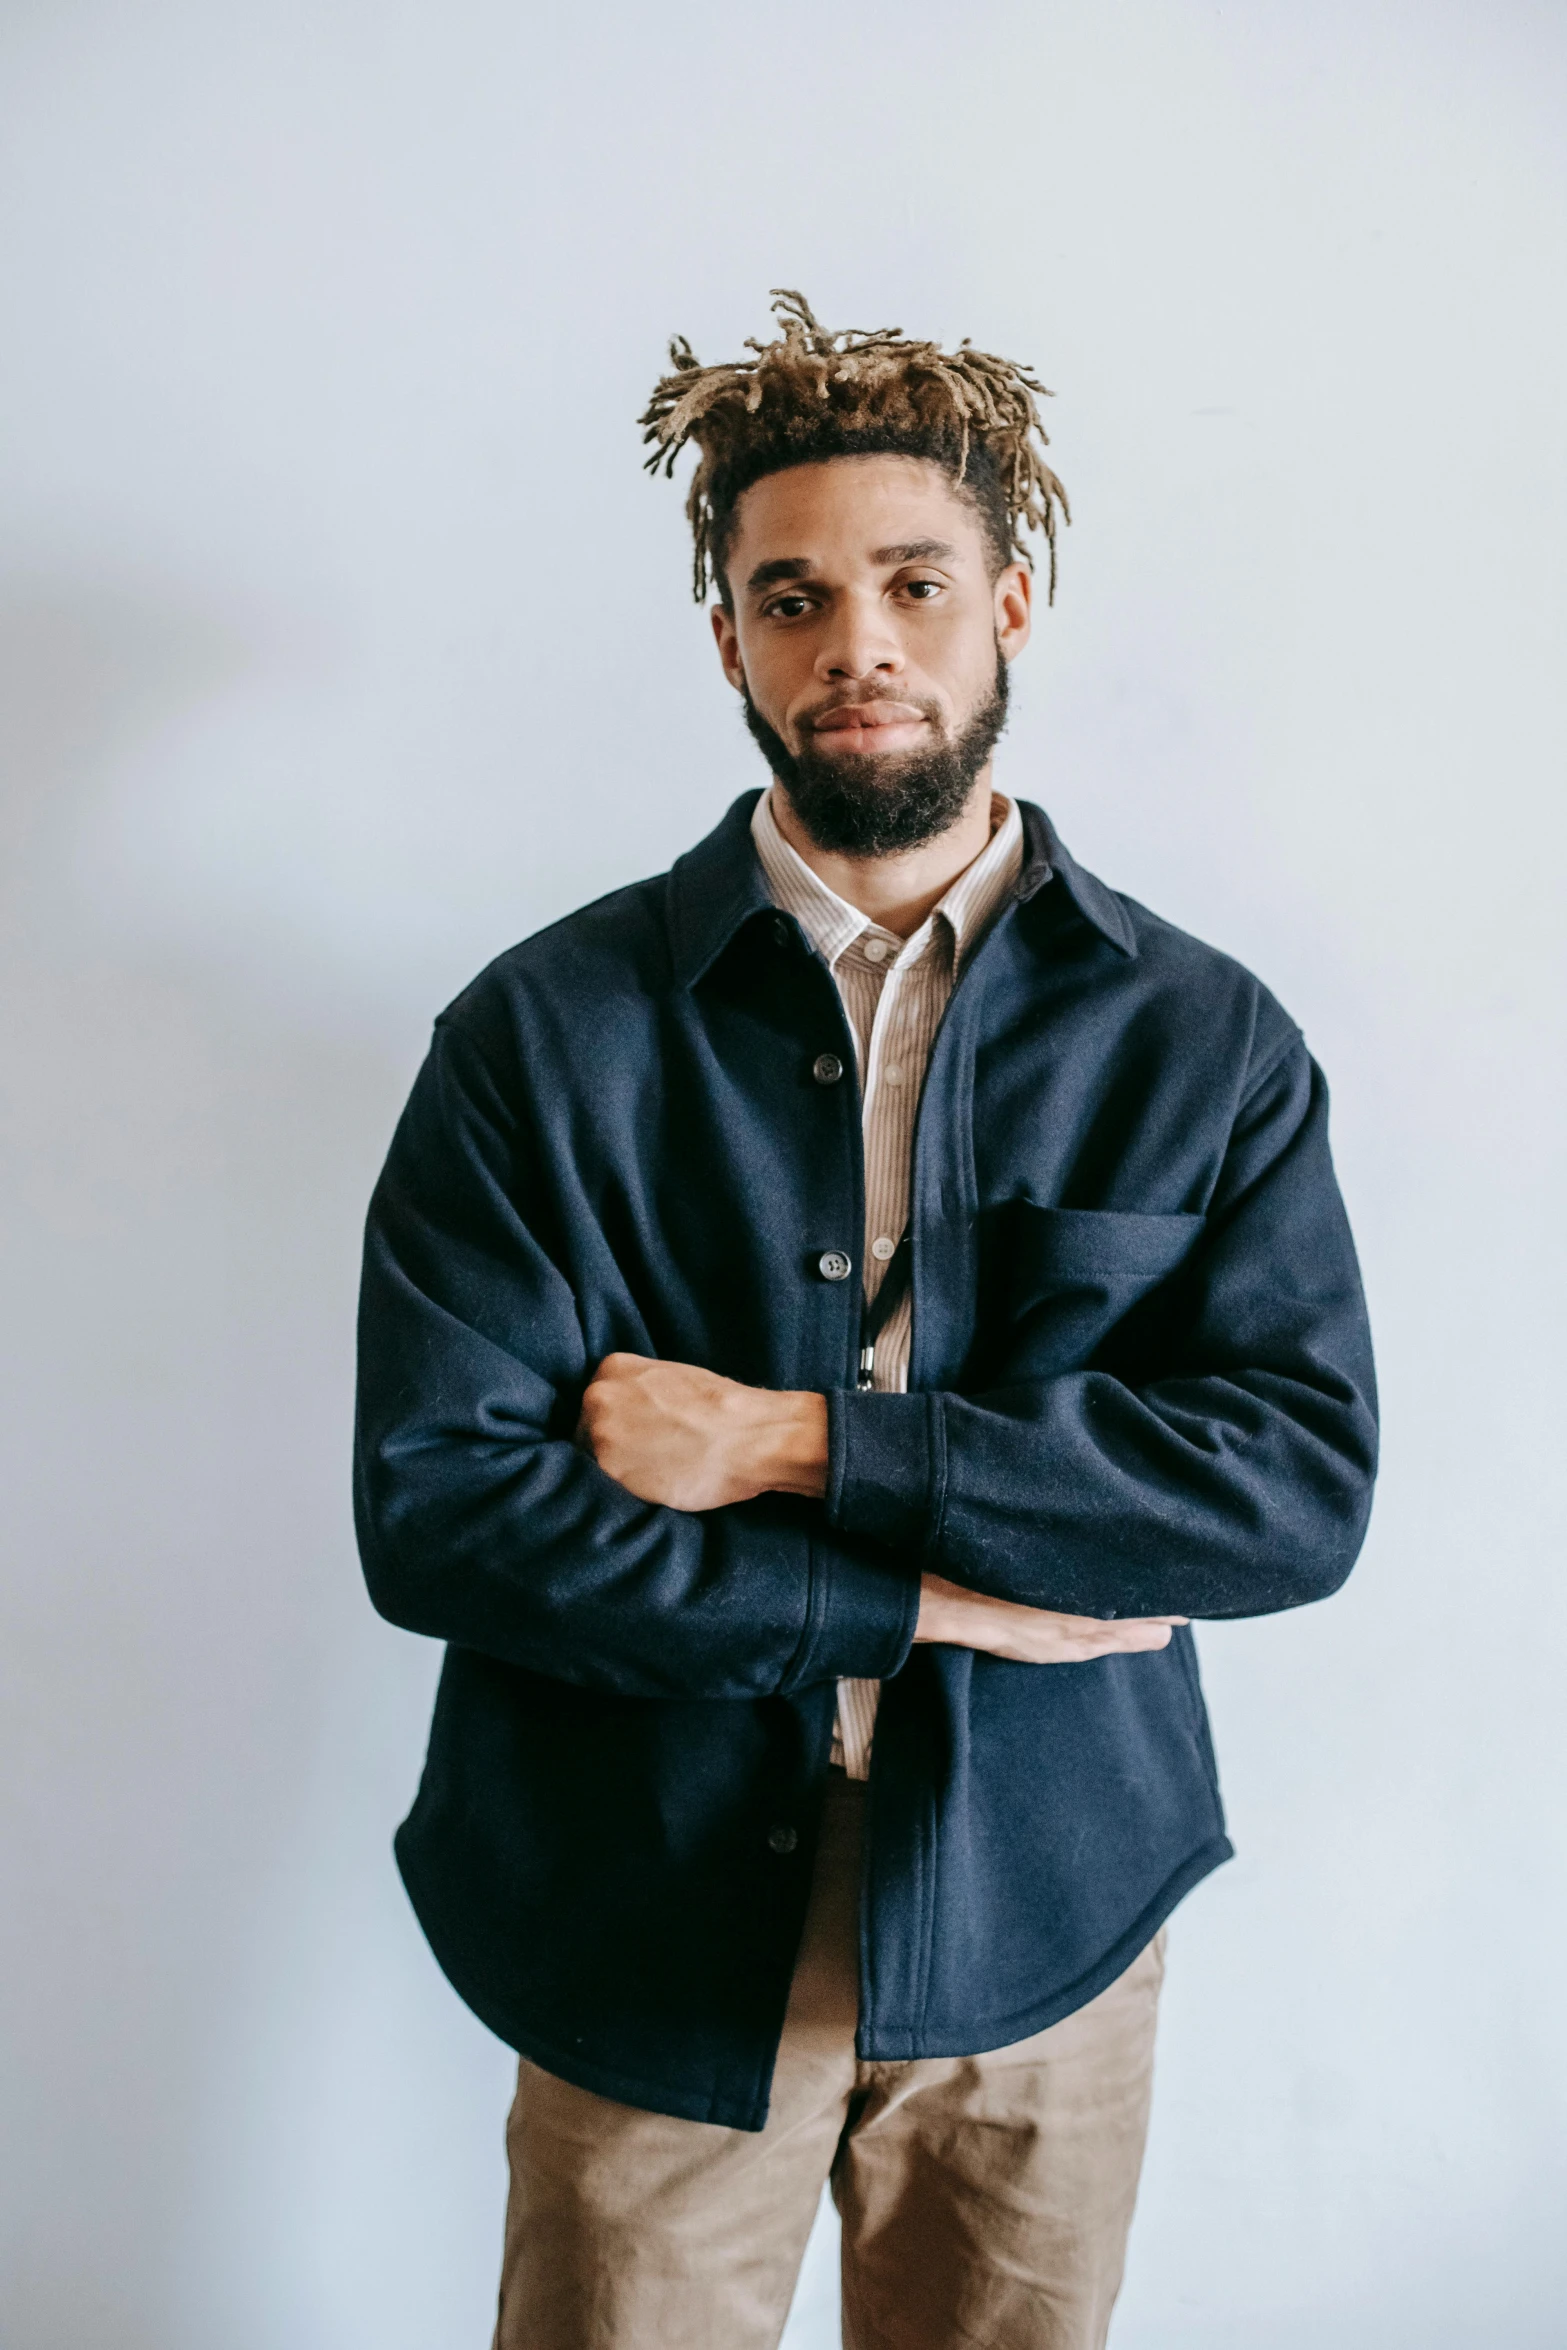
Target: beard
[(862, 805)]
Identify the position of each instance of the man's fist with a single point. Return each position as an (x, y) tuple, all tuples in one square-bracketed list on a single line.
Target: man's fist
[(674, 1434)]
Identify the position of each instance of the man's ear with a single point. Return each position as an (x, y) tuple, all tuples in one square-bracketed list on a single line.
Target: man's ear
[(727, 638), (1014, 609)]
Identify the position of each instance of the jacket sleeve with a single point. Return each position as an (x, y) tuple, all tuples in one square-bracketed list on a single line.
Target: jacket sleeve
[(481, 1522), (1234, 1479)]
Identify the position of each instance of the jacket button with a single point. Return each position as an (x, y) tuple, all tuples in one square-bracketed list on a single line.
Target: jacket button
[(833, 1265), (782, 1839), (826, 1068)]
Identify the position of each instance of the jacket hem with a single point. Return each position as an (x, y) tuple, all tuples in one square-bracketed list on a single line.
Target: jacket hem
[(900, 2044), (583, 2072), (629, 2088)]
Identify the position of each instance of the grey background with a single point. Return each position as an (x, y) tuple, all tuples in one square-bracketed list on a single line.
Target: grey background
[(343, 643)]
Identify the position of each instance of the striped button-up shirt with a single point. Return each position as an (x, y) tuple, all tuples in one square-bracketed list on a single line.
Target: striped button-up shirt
[(894, 992)]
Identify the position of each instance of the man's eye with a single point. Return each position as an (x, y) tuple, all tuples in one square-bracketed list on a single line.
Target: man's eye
[(788, 607), (924, 591)]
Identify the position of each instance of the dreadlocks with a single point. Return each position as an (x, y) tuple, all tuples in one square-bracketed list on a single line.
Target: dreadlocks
[(810, 395)]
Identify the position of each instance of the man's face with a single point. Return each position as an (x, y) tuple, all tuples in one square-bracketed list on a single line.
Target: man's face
[(866, 636)]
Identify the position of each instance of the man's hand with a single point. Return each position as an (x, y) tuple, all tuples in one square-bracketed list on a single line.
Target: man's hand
[(671, 1433), (1029, 1635)]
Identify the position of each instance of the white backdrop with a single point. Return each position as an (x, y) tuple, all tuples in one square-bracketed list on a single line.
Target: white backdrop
[(344, 643)]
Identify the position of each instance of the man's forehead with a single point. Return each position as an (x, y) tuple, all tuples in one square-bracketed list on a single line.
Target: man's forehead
[(879, 510)]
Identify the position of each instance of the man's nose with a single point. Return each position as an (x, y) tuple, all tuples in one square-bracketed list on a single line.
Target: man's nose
[(860, 643)]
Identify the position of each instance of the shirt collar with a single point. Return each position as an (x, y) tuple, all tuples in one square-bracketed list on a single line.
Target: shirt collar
[(832, 925), (718, 886)]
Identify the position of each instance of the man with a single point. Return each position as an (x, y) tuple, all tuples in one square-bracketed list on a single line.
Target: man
[(831, 1315)]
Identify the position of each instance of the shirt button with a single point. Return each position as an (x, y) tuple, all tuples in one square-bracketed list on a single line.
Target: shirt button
[(883, 1248), (826, 1068), (782, 1839), (833, 1265), (894, 1074), (876, 950)]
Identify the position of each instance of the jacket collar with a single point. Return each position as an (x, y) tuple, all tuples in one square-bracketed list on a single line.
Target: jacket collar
[(717, 886), (1045, 855)]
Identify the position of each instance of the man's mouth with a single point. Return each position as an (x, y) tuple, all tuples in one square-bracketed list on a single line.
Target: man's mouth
[(855, 726)]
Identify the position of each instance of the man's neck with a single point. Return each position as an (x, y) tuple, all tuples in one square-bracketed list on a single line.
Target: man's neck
[(896, 892)]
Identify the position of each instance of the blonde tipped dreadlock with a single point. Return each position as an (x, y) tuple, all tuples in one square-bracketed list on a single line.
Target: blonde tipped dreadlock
[(810, 383)]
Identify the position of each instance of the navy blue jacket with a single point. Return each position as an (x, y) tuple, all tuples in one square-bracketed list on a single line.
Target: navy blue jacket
[(1141, 1384)]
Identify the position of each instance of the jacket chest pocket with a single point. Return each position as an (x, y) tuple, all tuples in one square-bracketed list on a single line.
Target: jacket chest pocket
[(1062, 1287)]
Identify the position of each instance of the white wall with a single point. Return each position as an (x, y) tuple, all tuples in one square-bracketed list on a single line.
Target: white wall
[(344, 643)]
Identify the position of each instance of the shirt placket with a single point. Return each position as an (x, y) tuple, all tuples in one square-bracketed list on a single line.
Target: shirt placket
[(891, 1084)]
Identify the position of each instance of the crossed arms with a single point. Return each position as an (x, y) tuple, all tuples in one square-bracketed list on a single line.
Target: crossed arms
[(687, 1439), (669, 1542)]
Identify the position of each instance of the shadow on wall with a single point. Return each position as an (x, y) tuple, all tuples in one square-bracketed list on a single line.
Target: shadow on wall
[(183, 1180)]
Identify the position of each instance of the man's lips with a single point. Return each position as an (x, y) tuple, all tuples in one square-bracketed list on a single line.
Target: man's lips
[(858, 715)]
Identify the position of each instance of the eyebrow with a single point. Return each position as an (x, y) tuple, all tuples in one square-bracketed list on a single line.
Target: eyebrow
[(915, 551), (796, 567), (781, 567)]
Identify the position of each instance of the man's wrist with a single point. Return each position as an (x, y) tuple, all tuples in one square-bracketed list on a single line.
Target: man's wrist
[(941, 1613), (788, 1449)]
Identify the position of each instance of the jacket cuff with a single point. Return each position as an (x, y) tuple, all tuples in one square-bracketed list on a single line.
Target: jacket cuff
[(885, 1466), (863, 1614)]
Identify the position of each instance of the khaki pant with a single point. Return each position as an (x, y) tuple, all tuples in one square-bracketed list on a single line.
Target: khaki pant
[(985, 2199)]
